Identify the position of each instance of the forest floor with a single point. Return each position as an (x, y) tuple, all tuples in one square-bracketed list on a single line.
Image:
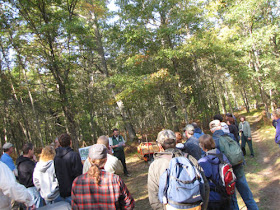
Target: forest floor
[(262, 172)]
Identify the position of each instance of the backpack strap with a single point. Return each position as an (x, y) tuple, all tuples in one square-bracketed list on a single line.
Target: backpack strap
[(220, 156)]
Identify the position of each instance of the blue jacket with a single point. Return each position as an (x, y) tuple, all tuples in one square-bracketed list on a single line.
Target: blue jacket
[(192, 147), (277, 136), (210, 165), (197, 133)]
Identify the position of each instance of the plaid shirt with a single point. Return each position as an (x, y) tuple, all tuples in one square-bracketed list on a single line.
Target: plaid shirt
[(111, 193)]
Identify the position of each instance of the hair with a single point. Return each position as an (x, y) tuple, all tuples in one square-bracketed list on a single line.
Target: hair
[(115, 129), (231, 120), (218, 117), (242, 116), (47, 154), (190, 129), (180, 135), (229, 115), (206, 142), (276, 113), (194, 124), (26, 147), (6, 150), (94, 170), (64, 140), (103, 140), (214, 124), (169, 143)]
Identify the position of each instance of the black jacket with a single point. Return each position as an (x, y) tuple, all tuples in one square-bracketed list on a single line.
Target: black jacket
[(68, 166), (25, 168)]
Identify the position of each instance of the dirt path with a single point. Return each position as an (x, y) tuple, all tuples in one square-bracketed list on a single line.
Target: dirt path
[(262, 172)]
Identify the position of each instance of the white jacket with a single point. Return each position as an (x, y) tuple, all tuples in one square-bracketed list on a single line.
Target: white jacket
[(112, 165), (44, 179), (10, 189)]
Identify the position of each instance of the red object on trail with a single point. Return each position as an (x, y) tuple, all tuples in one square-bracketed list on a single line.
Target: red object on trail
[(146, 150)]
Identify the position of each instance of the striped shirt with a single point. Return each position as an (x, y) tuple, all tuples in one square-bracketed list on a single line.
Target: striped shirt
[(111, 193)]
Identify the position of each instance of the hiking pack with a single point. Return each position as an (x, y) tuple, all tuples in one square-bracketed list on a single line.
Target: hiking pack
[(181, 185), (227, 181), (231, 149)]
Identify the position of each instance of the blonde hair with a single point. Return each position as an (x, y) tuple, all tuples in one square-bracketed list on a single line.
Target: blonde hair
[(47, 154), (94, 170)]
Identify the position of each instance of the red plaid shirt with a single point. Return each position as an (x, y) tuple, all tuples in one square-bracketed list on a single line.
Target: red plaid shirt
[(111, 193)]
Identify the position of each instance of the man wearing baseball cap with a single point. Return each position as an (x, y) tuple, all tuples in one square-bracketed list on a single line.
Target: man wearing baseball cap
[(6, 157)]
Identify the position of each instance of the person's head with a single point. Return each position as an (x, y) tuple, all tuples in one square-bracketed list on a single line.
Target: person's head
[(47, 154), (189, 130), (8, 148), (206, 142), (225, 127), (28, 150), (64, 140), (97, 157), (178, 137), (218, 117), (115, 132), (56, 143), (276, 114), (242, 118), (103, 140), (230, 120), (194, 124), (229, 115), (166, 139), (215, 125)]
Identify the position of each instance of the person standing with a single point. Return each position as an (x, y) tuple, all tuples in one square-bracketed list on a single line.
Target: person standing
[(68, 166), (232, 128), (166, 141), (210, 164), (7, 159), (276, 117), (10, 189), (191, 146), (113, 164), (241, 181), (44, 177), (98, 189), (197, 131), (25, 165), (117, 143), (244, 128)]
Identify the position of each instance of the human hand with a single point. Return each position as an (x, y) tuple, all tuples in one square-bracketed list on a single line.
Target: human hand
[(249, 138), (34, 158), (33, 207)]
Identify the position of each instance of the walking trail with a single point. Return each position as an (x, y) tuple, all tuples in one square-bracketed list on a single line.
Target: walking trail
[(262, 172)]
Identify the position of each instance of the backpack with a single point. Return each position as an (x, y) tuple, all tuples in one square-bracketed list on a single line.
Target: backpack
[(231, 149), (227, 179), (181, 185)]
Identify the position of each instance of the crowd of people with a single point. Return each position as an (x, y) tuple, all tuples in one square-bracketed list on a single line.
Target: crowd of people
[(60, 176)]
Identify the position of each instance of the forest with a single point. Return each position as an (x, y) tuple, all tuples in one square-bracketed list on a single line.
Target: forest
[(87, 66)]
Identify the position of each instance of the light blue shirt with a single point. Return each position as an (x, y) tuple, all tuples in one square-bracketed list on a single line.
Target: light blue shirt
[(8, 161)]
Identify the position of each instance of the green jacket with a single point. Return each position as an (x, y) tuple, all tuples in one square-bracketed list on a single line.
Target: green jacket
[(115, 142), (246, 128)]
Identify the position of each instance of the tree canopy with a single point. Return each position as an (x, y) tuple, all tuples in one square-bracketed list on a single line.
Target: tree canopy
[(86, 66)]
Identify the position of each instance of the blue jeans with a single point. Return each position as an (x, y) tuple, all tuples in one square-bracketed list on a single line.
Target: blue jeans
[(67, 199), (246, 194), (55, 200), (38, 200)]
